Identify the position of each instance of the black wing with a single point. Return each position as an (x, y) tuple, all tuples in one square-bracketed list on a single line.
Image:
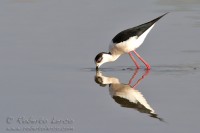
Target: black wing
[(135, 31)]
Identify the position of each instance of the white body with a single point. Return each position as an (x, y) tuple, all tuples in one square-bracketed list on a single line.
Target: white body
[(129, 45)]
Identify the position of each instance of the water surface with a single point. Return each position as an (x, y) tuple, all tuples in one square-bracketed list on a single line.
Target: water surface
[(47, 51)]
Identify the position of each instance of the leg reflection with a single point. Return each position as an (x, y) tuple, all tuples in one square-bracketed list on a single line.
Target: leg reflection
[(138, 82)]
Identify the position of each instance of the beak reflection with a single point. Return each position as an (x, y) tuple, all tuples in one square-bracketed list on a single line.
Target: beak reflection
[(97, 68)]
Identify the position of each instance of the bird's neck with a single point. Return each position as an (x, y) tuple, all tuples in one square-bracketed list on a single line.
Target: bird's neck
[(112, 57)]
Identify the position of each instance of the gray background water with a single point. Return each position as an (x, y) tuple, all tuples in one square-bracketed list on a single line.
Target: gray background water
[(47, 50)]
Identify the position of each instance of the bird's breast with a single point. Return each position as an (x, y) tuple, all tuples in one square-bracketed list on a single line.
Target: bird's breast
[(126, 46)]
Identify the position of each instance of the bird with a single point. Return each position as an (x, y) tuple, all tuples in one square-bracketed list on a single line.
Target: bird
[(127, 41), (126, 94)]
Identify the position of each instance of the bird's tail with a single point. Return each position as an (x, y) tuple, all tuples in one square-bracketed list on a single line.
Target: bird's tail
[(156, 19)]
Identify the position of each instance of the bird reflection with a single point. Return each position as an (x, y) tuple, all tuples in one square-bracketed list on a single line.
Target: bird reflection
[(126, 94)]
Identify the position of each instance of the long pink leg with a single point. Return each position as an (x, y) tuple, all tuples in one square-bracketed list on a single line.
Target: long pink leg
[(133, 59), (147, 65), (143, 76)]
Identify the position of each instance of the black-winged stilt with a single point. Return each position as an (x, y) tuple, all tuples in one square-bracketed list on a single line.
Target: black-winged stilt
[(126, 42)]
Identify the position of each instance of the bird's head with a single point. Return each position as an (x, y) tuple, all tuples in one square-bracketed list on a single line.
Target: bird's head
[(101, 58)]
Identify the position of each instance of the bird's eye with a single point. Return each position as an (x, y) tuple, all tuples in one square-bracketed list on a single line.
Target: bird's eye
[(99, 59)]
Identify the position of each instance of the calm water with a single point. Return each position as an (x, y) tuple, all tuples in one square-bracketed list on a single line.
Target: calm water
[(47, 76)]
